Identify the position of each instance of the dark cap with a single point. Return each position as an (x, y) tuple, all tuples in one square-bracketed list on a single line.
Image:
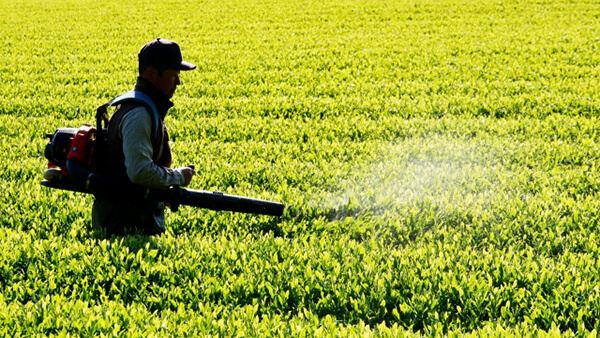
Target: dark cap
[(162, 54)]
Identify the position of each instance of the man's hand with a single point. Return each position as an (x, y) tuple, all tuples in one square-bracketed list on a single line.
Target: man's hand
[(188, 173)]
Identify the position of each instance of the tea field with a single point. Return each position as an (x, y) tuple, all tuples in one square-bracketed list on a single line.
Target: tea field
[(438, 161)]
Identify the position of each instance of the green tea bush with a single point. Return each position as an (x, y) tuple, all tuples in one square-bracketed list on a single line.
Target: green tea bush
[(437, 160)]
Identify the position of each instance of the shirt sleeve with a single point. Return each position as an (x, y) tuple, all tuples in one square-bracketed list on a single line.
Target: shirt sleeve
[(134, 130)]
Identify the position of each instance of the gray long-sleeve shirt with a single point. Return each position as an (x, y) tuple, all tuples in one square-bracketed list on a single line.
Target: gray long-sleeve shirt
[(134, 130)]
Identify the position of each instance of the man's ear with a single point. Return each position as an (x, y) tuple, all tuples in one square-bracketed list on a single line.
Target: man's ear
[(151, 74)]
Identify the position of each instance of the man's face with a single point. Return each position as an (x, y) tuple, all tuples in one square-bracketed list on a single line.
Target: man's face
[(167, 82)]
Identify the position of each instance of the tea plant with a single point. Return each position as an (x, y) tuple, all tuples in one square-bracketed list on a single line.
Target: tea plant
[(437, 159)]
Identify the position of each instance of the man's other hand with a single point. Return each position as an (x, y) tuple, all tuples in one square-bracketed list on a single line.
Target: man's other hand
[(188, 173)]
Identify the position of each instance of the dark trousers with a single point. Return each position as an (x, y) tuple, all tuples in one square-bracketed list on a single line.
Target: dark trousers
[(121, 217)]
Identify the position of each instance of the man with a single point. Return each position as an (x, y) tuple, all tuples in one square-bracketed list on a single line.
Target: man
[(136, 152)]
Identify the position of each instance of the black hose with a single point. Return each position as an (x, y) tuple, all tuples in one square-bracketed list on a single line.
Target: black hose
[(109, 186), (120, 188)]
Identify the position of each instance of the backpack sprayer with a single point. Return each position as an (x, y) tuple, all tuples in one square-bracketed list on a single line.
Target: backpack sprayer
[(73, 154)]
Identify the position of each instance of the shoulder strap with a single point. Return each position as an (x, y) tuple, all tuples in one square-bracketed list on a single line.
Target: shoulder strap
[(139, 97)]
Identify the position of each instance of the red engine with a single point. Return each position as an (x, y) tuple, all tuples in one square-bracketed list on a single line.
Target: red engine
[(68, 143)]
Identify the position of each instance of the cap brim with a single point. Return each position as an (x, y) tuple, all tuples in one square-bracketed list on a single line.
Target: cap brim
[(183, 65)]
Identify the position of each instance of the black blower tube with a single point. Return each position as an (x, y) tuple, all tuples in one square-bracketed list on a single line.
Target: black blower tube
[(82, 180)]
